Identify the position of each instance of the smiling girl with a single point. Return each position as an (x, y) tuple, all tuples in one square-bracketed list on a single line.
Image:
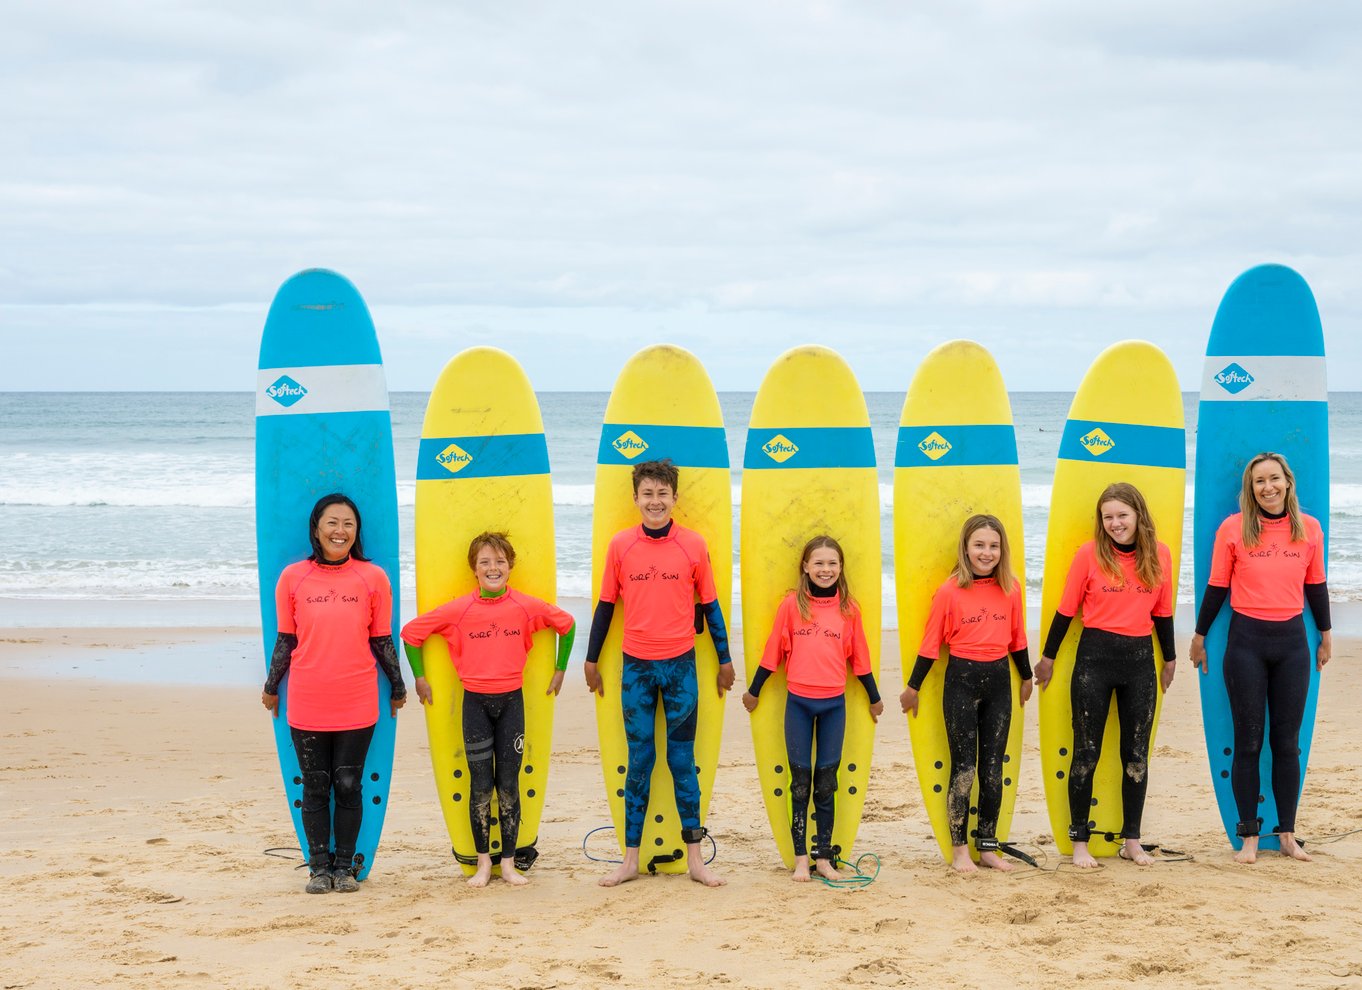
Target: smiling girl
[(977, 614), (1122, 580), (817, 635), (489, 633)]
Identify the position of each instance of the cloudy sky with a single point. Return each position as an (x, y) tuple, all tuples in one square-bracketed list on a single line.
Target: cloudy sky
[(573, 181)]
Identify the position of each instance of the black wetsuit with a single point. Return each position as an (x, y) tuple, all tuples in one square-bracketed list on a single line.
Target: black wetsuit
[(494, 735)]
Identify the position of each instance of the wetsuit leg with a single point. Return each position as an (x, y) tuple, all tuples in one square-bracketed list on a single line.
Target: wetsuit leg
[(638, 698), (1090, 701), (681, 704), (1287, 687), (960, 704), (314, 751), (1136, 695), (479, 740), (347, 783), (799, 751), (995, 719), (830, 724), (1246, 683), (510, 742)]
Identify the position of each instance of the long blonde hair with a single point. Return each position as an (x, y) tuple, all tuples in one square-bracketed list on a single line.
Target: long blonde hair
[(1002, 572), (802, 590), (1147, 566), (1252, 511)]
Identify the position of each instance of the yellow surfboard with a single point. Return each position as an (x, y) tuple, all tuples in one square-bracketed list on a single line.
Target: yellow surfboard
[(809, 470), (956, 455), (483, 465), (663, 406), (1125, 424)]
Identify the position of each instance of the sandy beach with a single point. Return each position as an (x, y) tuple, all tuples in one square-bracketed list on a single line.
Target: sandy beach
[(137, 810)]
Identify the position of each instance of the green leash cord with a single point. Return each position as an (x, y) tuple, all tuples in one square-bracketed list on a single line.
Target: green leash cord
[(859, 878)]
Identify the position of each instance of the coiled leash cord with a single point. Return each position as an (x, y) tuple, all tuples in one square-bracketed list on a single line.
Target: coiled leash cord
[(653, 863)]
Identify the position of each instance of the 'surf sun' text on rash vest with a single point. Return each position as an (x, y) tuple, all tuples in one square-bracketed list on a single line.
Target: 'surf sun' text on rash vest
[(980, 622), (658, 581), (1124, 607), (334, 611), (1268, 581), (816, 653), (489, 638)]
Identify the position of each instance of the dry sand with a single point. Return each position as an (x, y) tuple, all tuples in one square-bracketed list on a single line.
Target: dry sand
[(133, 821)]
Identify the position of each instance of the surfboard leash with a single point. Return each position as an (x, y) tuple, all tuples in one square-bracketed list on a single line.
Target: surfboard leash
[(859, 878), (660, 859), (278, 852)]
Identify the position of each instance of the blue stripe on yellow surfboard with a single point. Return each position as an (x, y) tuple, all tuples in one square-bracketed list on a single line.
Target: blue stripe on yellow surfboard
[(809, 447), (1123, 443), (956, 446), (684, 446), (441, 458)]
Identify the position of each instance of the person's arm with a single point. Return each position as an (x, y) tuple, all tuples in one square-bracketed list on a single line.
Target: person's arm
[(750, 697), (284, 645), (385, 652), (1317, 595), (1211, 601), (909, 698), (1022, 659), (418, 671), (600, 628), (718, 632), (1059, 628), (565, 641)]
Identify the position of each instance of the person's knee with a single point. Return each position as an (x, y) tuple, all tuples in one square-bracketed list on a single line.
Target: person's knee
[(801, 781), (349, 781), (684, 730), (824, 784), (1085, 760), (316, 790), (1136, 769)]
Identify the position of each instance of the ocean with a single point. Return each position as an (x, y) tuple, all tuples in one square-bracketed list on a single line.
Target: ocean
[(127, 508)]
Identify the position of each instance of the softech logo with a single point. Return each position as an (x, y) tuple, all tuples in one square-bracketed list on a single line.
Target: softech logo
[(1233, 378), (934, 445), (1096, 442), (454, 458), (779, 448), (630, 444), (285, 391)]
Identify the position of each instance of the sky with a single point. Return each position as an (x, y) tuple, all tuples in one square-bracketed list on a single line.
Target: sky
[(572, 182)]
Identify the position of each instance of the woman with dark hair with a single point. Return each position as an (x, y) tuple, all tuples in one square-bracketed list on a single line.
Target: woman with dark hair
[(1269, 561), (1122, 579), (335, 619)]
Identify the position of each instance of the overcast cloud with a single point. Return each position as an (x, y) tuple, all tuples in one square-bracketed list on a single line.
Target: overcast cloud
[(573, 181)]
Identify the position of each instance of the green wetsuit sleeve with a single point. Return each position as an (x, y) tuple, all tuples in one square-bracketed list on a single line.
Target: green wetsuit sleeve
[(565, 647), (418, 668)]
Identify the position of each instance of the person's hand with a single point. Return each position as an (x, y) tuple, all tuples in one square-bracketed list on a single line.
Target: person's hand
[(556, 683), (1325, 653), (424, 692), (394, 704), (1044, 671), (908, 700), (876, 710), (725, 677), (594, 683), (1025, 691), (1196, 652), (1170, 667), (749, 701), (270, 701)]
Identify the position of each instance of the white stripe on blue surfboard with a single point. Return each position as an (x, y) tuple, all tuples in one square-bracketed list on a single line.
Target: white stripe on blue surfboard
[(1264, 378), (334, 388)]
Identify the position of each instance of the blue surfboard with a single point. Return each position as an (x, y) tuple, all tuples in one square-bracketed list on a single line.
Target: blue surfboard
[(1263, 388), (322, 425)]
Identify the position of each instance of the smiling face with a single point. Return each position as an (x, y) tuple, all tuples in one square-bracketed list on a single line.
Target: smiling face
[(1119, 520), (491, 568), (823, 567), (984, 548), (656, 501), (336, 531), (1270, 486)]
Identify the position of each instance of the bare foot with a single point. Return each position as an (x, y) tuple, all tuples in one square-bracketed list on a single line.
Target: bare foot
[(626, 871), (995, 862), (1249, 854), (1292, 848), (1133, 851), (960, 860), (801, 871), (1083, 859), (699, 872), (509, 874), (484, 874), (827, 870)]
